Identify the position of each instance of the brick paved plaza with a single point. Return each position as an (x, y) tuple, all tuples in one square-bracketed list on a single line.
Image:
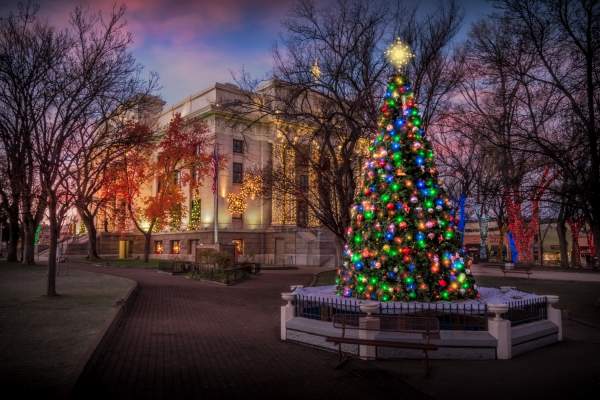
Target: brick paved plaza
[(189, 339)]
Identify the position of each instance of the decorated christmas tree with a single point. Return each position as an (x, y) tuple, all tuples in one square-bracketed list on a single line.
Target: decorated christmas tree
[(402, 243)]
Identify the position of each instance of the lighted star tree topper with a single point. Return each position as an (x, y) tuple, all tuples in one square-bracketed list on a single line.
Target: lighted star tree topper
[(402, 243)]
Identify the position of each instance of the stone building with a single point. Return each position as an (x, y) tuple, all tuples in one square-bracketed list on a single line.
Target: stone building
[(273, 229)]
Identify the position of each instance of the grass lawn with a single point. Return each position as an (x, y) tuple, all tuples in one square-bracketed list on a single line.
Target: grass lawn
[(43, 340)]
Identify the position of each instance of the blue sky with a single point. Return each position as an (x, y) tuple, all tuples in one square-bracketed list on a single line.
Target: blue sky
[(192, 44)]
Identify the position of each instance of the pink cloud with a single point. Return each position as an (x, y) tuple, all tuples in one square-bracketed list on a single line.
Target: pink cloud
[(175, 20), (178, 38)]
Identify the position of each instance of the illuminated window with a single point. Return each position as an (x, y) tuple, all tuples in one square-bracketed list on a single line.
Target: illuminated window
[(158, 247), (238, 146), (238, 244), (175, 247)]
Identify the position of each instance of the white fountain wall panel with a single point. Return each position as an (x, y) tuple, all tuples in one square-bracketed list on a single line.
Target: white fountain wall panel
[(531, 336), (467, 345), (312, 332)]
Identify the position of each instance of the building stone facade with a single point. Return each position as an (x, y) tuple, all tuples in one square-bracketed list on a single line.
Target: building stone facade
[(272, 230)]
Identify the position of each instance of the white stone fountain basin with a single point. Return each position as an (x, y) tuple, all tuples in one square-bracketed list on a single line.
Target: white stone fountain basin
[(303, 322)]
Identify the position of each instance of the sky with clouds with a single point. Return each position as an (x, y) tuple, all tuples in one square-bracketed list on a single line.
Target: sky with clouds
[(192, 44)]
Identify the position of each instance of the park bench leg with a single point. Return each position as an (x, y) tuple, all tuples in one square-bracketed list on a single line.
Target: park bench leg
[(427, 369), (342, 360)]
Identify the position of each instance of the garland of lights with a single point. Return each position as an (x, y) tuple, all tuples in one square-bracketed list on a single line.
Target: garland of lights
[(236, 203), (284, 202), (195, 215), (252, 186), (402, 244), (175, 217)]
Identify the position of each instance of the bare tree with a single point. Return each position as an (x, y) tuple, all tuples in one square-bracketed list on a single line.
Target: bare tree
[(92, 81), (495, 108), (99, 148), (564, 44), (330, 75), (29, 50)]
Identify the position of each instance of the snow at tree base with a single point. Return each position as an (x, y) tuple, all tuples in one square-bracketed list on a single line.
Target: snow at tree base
[(402, 243)]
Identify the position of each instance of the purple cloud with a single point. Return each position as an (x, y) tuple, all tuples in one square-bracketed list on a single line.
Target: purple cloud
[(191, 44)]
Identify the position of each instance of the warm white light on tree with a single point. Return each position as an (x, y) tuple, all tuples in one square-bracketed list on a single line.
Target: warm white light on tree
[(399, 54)]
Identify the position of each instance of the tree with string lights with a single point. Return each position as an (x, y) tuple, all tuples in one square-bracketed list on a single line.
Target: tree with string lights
[(402, 243)]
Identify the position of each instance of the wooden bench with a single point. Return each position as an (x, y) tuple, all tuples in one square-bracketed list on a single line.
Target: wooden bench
[(426, 327), (516, 271)]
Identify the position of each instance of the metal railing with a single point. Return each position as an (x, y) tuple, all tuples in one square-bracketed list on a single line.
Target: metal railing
[(450, 316), (213, 272), (524, 311)]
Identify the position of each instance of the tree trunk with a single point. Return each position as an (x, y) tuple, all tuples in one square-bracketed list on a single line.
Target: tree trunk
[(28, 238), (22, 247), (502, 233), (575, 253), (13, 238), (147, 238), (596, 233), (561, 231), (540, 245), (51, 287), (339, 251), (483, 236), (90, 227)]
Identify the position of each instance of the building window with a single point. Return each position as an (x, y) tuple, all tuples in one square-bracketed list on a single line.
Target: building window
[(302, 214), (238, 244), (158, 247), (175, 247), (238, 146), (192, 246), (238, 172), (176, 177), (303, 183)]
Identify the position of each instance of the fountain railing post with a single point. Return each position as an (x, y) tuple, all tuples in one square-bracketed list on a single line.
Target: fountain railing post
[(554, 314), (288, 312), (501, 330), (367, 329)]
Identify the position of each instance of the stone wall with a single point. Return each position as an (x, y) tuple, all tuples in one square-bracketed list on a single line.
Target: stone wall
[(291, 246)]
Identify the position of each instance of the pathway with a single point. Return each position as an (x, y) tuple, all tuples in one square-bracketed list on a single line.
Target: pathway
[(576, 276), (187, 339)]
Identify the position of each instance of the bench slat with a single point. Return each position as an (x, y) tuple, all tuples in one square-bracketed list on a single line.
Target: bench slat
[(381, 343)]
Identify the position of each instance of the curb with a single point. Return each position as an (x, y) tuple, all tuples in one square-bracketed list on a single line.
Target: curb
[(121, 308)]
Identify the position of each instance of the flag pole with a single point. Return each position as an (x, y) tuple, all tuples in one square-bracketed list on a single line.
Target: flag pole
[(216, 194)]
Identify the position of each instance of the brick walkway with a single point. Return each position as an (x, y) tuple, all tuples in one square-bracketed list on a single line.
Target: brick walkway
[(188, 339)]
